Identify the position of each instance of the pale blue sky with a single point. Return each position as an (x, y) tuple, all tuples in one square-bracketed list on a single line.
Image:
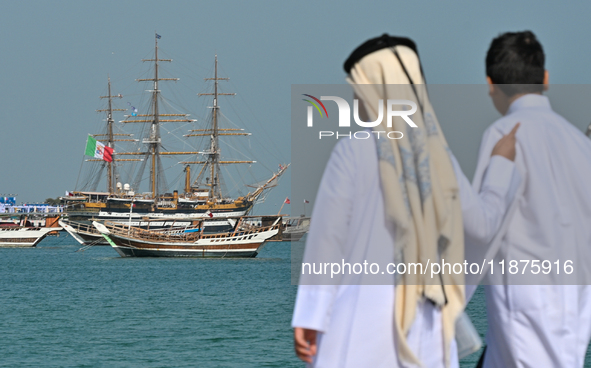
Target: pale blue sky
[(56, 56)]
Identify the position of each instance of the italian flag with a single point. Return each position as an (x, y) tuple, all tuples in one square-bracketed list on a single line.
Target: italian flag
[(96, 149)]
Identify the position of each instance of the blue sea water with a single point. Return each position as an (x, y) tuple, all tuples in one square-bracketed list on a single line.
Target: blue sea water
[(92, 308), (62, 308)]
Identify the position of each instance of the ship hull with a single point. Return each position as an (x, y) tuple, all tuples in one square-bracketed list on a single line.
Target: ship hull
[(134, 248), (217, 222), (23, 237), (295, 228), (84, 234), (293, 236), (142, 243), (118, 209)]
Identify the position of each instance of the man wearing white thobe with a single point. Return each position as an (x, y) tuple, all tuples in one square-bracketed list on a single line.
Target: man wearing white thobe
[(355, 321), (550, 220)]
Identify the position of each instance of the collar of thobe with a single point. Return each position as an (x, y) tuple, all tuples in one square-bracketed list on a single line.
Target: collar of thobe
[(529, 101)]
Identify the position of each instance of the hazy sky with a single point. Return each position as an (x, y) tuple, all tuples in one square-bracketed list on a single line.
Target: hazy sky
[(56, 57)]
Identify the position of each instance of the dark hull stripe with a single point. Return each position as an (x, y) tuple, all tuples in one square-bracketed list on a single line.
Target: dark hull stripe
[(184, 246), (131, 252)]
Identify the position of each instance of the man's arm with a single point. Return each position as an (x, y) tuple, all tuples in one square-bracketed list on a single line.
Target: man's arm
[(486, 203), (328, 233), (483, 210)]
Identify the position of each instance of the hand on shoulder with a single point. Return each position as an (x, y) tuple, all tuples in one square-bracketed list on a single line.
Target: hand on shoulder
[(506, 146)]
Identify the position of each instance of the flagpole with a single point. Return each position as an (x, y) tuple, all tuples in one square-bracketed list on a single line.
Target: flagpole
[(283, 204), (286, 200), (305, 202)]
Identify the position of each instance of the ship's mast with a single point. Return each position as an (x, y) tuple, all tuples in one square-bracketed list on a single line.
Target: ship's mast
[(213, 155), (214, 151), (214, 138), (110, 142), (154, 140), (110, 136), (213, 161)]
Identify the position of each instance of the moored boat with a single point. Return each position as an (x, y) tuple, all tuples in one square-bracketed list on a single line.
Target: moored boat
[(86, 234), (22, 235), (295, 228), (246, 240)]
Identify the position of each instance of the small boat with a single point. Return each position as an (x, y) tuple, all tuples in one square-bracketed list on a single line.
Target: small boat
[(295, 228), (23, 234), (245, 241)]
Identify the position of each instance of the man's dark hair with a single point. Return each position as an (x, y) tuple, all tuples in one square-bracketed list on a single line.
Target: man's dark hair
[(515, 61)]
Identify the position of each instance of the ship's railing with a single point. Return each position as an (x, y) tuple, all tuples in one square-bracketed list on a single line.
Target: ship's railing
[(242, 232), (85, 228), (180, 234), (159, 235)]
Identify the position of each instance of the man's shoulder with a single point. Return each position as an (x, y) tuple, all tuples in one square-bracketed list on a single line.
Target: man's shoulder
[(529, 118), (504, 124)]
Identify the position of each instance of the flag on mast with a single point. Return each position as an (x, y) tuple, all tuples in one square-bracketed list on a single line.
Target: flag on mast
[(287, 201), (306, 201), (97, 149)]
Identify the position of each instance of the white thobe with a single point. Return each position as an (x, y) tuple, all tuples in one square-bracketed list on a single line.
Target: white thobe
[(356, 321), (541, 325)]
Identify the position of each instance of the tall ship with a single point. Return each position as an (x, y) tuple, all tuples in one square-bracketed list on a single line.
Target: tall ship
[(202, 196)]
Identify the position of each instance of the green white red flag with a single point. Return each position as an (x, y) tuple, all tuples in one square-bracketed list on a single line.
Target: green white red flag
[(98, 150)]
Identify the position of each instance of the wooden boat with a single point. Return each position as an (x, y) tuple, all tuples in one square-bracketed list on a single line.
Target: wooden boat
[(295, 228), (246, 240), (86, 234), (23, 234)]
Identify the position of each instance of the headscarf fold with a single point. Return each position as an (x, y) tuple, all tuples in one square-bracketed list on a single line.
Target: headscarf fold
[(420, 190)]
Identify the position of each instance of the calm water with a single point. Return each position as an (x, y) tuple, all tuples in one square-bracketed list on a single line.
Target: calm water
[(62, 308)]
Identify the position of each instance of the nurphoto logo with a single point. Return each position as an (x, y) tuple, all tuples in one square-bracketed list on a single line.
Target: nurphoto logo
[(345, 116)]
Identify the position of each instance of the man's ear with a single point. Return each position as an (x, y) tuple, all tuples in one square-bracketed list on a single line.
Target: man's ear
[(546, 80), (491, 86)]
